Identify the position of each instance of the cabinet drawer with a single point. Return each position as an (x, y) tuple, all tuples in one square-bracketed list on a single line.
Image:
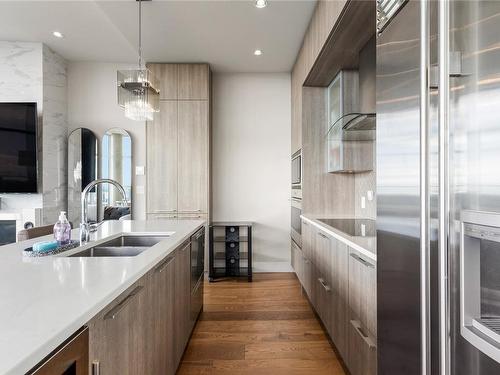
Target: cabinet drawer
[(340, 295), (362, 357), (296, 260), (363, 290), (307, 239), (322, 300), (307, 276), (322, 255)]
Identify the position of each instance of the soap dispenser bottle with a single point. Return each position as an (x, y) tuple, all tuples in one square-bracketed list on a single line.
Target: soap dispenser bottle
[(62, 230)]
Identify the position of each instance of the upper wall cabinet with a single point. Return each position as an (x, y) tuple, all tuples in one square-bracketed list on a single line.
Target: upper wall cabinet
[(193, 82), (182, 81), (178, 144), (161, 135), (167, 75), (193, 157)]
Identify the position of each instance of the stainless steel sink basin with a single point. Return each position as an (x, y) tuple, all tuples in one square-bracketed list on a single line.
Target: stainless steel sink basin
[(123, 246)]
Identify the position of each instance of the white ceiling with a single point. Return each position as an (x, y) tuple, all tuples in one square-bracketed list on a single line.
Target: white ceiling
[(222, 33)]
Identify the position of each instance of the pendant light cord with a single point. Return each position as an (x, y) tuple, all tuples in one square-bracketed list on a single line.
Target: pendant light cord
[(140, 34)]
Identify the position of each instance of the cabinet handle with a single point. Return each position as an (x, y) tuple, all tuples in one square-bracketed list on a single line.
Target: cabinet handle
[(96, 368), (163, 211), (199, 234), (364, 336), (323, 235), (324, 285), (164, 265), (361, 260), (113, 313)]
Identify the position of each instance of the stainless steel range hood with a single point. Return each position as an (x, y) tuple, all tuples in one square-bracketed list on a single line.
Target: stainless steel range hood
[(350, 134), (351, 143)]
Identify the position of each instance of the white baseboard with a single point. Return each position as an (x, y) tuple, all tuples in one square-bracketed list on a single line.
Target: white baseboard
[(271, 267)]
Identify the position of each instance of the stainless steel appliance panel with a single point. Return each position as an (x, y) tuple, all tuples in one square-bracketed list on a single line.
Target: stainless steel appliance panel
[(197, 257), (296, 221), (297, 168), (398, 189), (474, 161), (297, 175)]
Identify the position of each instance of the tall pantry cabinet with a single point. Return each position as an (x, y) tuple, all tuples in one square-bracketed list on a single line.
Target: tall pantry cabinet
[(178, 143)]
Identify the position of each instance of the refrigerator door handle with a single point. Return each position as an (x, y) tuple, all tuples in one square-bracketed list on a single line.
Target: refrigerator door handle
[(443, 135), (425, 333)]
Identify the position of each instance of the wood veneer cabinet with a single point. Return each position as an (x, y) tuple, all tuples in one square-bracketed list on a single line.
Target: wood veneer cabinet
[(178, 142), (194, 82), (117, 335), (146, 329), (193, 165), (182, 296), (340, 298), (341, 285), (162, 155), (322, 22), (168, 76), (162, 296)]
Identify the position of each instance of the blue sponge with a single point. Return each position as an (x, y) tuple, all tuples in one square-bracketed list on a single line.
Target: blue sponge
[(45, 246)]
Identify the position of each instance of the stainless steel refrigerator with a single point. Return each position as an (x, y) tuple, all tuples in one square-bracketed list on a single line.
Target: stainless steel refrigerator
[(438, 187)]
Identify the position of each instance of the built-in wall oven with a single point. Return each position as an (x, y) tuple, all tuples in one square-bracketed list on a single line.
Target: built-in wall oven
[(296, 231), (297, 175)]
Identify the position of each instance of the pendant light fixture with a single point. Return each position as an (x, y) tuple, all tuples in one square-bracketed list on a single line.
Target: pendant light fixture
[(137, 89)]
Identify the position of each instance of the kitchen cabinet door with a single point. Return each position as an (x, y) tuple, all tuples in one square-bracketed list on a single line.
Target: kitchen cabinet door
[(362, 350), (323, 281), (182, 295), (162, 160), (193, 163), (163, 302), (194, 82), (307, 239), (167, 78), (339, 299), (363, 291), (118, 335), (297, 260), (296, 106), (307, 277)]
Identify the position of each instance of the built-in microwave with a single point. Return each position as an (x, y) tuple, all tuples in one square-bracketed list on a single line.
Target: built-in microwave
[(297, 175)]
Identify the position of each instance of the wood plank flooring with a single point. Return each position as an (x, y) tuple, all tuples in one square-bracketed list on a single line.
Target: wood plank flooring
[(259, 328)]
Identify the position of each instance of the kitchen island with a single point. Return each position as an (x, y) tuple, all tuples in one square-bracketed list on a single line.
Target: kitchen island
[(45, 300)]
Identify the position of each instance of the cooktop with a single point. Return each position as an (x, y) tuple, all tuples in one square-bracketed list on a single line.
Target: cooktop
[(353, 227)]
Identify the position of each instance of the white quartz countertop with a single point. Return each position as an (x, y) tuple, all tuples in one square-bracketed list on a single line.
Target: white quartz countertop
[(365, 245), (45, 300)]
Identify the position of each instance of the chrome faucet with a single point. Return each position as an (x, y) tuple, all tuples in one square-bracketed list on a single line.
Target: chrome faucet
[(85, 227)]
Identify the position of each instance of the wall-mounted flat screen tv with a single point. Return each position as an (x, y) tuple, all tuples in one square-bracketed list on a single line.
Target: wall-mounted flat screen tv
[(18, 154)]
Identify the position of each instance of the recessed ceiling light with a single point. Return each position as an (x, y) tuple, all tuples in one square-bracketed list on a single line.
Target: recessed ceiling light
[(257, 52), (260, 3), (58, 34)]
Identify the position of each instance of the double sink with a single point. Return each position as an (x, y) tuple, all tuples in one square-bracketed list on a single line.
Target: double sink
[(123, 246)]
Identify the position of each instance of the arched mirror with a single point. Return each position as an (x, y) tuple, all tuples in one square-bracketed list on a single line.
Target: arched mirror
[(116, 164), (82, 169)]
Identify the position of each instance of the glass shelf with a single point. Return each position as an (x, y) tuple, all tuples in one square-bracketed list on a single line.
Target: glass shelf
[(224, 239)]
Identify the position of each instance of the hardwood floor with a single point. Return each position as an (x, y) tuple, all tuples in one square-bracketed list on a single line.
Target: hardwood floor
[(259, 328)]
